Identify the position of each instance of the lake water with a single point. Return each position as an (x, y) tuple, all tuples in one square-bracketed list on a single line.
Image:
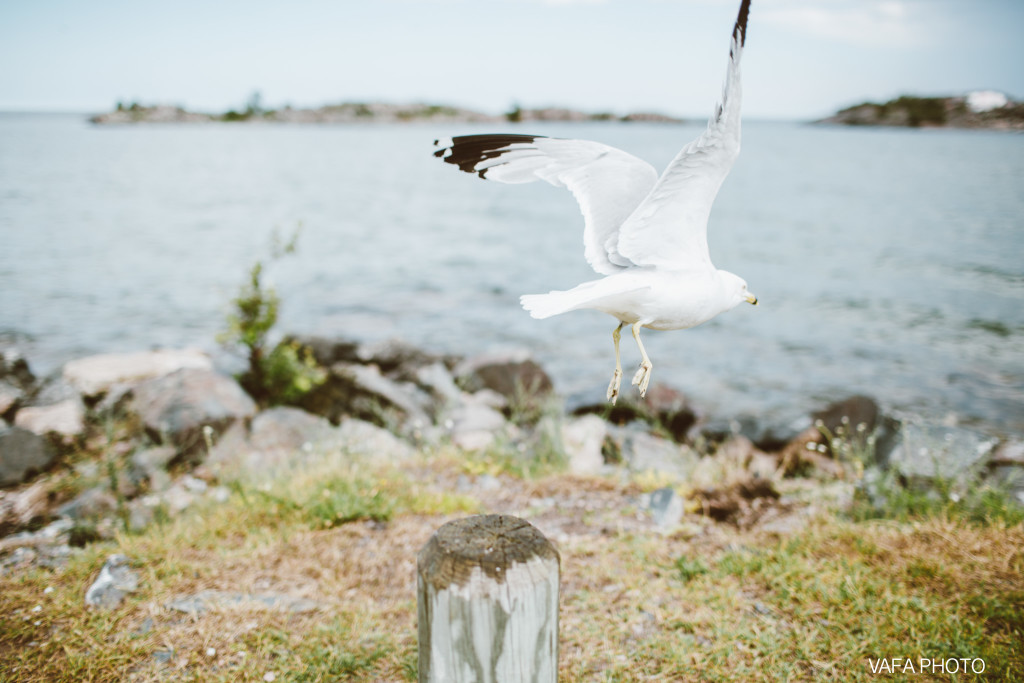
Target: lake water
[(887, 262)]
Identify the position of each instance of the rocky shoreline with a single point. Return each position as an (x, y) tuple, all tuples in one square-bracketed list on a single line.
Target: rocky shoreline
[(145, 435), (363, 112)]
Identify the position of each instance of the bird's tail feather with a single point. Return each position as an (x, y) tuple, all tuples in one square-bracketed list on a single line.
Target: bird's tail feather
[(607, 294), (552, 303)]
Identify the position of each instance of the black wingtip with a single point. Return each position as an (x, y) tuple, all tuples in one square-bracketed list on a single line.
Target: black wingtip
[(739, 32), (466, 151)]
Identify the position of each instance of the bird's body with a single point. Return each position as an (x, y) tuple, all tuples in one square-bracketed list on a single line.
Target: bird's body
[(652, 298), (647, 235)]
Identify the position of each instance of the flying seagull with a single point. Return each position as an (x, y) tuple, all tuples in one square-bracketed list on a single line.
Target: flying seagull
[(646, 235)]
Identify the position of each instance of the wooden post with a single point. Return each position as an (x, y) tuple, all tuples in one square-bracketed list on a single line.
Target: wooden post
[(488, 603)]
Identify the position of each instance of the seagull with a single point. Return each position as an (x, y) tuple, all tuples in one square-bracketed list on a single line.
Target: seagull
[(645, 234)]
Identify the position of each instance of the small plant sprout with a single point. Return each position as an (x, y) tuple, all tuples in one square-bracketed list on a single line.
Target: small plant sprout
[(286, 372)]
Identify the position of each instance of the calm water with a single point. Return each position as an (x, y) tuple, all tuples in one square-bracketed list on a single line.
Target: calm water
[(888, 262)]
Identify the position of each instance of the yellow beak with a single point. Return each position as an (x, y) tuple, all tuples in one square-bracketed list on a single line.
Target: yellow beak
[(751, 299)]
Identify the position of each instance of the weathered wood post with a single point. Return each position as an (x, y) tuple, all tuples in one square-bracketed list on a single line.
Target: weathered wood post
[(488, 603)]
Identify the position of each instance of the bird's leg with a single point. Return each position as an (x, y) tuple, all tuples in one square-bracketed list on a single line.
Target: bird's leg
[(643, 376), (613, 387)]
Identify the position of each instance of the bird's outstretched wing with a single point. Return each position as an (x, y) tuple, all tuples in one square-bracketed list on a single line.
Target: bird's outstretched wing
[(669, 228), (608, 183)]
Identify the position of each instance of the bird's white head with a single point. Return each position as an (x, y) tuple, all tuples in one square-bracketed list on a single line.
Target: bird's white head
[(735, 289)]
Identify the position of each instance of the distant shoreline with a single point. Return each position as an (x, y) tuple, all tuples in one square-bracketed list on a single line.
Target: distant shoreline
[(363, 112), (987, 110)]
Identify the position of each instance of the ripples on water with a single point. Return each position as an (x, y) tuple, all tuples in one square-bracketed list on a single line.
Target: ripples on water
[(887, 262)]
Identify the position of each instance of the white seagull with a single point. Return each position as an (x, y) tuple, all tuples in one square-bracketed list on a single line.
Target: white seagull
[(646, 235)]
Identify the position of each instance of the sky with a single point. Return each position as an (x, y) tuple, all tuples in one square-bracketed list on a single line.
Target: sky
[(804, 58)]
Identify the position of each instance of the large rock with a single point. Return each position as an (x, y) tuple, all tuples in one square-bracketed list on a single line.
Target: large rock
[(22, 454), (365, 440), (95, 375), (514, 375), (284, 442), (438, 381), (361, 391), (176, 408), (474, 423), (583, 440), (644, 452), (277, 439), (286, 429), (56, 410), (927, 453), (63, 421)]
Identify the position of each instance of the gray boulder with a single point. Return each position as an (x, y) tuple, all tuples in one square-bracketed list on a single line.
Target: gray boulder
[(175, 409), (22, 454)]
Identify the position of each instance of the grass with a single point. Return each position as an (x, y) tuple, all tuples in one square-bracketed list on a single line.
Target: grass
[(715, 603)]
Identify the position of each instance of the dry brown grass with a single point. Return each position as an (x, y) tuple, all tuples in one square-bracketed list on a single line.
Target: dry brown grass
[(708, 602)]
